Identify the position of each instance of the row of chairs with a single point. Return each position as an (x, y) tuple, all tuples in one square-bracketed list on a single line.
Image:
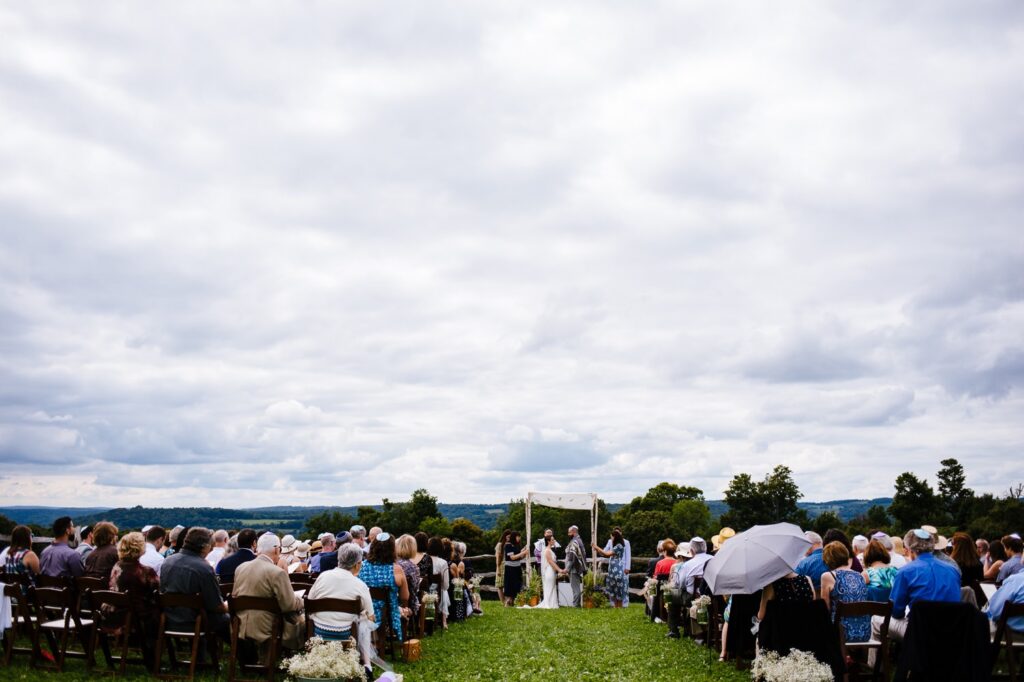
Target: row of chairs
[(62, 610)]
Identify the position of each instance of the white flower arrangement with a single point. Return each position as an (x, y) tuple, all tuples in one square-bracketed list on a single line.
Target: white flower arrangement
[(651, 587), (324, 660), (798, 666), (475, 585), (458, 587)]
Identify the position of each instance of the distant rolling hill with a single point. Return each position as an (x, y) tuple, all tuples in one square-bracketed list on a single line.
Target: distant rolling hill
[(291, 518)]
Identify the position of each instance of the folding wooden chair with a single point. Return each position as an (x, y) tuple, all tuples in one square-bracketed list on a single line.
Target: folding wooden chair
[(238, 605), (312, 606), (870, 609), (83, 584), (22, 621), (225, 589), (114, 626), (301, 581), (57, 613), (55, 581), (166, 636), (1007, 639), (384, 636)]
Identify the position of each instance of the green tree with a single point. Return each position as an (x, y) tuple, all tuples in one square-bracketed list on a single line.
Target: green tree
[(470, 533), (436, 526), (877, 517), (6, 525), (956, 497), (645, 528), (821, 523), (328, 522), (690, 518), (368, 517), (914, 502), (771, 500)]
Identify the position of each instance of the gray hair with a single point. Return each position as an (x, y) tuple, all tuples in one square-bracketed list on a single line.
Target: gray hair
[(698, 547), (197, 539), (349, 555), (917, 544), (357, 532), (813, 537), (267, 543), (327, 539), (859, 543), (220, 536)]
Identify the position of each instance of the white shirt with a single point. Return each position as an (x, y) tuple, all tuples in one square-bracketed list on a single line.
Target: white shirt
[(897, 560), (152, 558), (339, 583), (214, 557), (691, 569)]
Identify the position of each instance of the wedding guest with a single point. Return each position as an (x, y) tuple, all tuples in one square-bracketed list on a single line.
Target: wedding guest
[(844, 584), (860, 545), (790, 588), (359, 538), (659, 551), (997, 557), (499, 564), (18, 557), (423, 561), (381, 570), (812, 565), (186, 572), (664, 566), (139, 583), (982, 545), (1012, 565), (456, 570), (514, 555), (880, 573), (301, 557), (220, 548), (405, 551), (85, 543), (693, 570), (440, 568), (965, 554), (100, 562), (836, 535), (227, 566), (343, 583), (898, 553), (1010, 592), (58, 559), (327, 550), (896, 558), (627, 557), (616, 583), (154, 543), (262, 577)]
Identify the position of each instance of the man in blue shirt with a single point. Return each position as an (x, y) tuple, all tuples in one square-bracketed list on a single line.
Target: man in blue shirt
[(812, 565), (59, 560), (1011, 592), (1011, 566), (924, 578)]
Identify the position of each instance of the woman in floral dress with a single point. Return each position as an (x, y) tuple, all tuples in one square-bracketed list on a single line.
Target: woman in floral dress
[(380, 570), (616, 584)]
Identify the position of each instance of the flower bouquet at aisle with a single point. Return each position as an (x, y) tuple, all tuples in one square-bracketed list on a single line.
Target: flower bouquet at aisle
[(797, 666), (324, 660), (531, 593), (593, 594)]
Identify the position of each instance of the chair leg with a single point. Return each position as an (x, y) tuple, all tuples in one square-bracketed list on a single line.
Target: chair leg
[(195, 658), (234, 652), (158, 654)]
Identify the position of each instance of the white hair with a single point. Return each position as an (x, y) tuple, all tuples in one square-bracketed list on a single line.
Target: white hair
[(267, 543), (813, 537), (220, 536)]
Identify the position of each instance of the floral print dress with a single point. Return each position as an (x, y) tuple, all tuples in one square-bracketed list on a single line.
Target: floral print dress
[(383, 575), (616, 584)]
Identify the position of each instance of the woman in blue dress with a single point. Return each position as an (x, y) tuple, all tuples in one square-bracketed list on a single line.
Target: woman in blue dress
[(616, 584), (841, 584), (380, 570)]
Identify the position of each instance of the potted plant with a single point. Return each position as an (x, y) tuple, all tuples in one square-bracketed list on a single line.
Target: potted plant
[(324, 660), (535, 588), (593, 590)]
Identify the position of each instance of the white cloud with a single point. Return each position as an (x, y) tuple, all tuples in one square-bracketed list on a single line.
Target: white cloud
[(344, 254)]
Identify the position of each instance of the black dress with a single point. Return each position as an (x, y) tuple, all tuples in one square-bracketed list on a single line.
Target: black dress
[(513, 571)]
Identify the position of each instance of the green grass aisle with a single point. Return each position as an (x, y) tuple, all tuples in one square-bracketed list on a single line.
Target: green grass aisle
[(564, 644)]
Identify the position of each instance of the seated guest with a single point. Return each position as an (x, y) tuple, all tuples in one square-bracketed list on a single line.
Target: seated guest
[(100, 562), (813, 565), (1012, 565), (924, 578), (300, 564), (843, 584), (227, 566), (186, 572), (860, 545), (456, 569), (220, 548), (439, 567), (18, 557), (982, 545), (358, 534), (965, 554), (664, 565), (836, 535), (788, 589), (898, 553), (380, 570), (138, 583), (262, 577), (288, 545), (424, 563), (329, 560), (327, 552), (996, 558), (880, 573), (676, 600), (342, 583), (86, 543), (153, 557), (693, 570), (58, 559), (1010, 592), (405, 550), (653, 562), (896, 558)]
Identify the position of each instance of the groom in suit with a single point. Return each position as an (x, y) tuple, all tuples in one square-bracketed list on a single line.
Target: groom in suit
[(575, 563)]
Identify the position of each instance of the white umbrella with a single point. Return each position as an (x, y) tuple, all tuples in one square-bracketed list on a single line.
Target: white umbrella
[(755, 558)]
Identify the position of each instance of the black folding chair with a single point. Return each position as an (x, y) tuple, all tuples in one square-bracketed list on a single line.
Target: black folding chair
[(167, 635), (237, 606), (314, 606)]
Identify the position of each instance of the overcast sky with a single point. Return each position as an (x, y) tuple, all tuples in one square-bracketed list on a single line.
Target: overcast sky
[(325, 253)]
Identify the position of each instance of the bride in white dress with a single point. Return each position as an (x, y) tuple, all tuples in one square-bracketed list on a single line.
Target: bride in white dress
[(549, 573)]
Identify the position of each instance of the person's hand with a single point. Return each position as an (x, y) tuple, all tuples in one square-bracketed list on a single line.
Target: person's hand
[(405, 611)]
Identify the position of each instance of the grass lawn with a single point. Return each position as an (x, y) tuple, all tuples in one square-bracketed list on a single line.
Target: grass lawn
[(520, 644)]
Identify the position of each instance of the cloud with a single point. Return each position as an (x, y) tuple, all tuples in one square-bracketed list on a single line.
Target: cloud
[(344, 254)]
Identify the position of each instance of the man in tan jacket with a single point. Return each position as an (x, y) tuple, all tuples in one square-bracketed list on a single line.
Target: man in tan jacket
[(264, 578)]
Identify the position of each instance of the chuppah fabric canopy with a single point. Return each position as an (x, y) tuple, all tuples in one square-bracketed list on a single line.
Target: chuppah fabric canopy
[(579, 501)]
